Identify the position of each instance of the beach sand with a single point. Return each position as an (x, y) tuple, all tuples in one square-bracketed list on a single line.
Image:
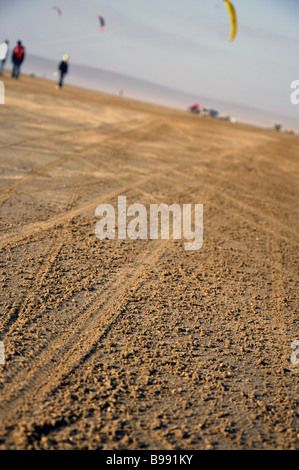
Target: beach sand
[(121, 344)]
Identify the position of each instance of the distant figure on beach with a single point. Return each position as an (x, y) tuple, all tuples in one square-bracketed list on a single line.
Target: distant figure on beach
[(63, 70), (17, 58), (3, 54)]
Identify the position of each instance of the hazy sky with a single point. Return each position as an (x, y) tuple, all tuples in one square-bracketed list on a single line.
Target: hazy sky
[(182, 44)]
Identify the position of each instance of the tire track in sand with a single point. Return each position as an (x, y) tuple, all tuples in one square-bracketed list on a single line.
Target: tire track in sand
[(131, 126), (79, 341), (22, 304), (51, 135), (287, 234), (29, 230), (85, 332)]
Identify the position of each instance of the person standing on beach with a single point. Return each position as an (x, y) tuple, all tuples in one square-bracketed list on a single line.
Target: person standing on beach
[(3, 54), (17, 58), (63, 70)]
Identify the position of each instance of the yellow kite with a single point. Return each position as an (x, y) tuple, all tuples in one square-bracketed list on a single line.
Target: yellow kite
[(233, 18)]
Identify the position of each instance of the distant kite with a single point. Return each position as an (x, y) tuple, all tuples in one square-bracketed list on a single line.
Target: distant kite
[(233, 19), (102, 23), (58, 10)]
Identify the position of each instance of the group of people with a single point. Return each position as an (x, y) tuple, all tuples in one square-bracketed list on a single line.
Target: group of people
[(18, 56)]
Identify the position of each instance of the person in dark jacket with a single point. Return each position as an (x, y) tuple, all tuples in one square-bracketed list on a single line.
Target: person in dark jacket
[(17, 58), (63, 70)]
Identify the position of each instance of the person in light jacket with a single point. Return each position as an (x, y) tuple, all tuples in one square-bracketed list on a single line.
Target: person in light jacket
[(3, 54)]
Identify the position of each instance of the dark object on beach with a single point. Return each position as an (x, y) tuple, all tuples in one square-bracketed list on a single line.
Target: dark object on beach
[(213, 113), (194, 108), (102, 24), (277, 127), (207, 112), (63, 70), (17, 58)]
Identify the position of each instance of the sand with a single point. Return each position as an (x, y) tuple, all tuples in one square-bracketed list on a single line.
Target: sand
[(121, 344)]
